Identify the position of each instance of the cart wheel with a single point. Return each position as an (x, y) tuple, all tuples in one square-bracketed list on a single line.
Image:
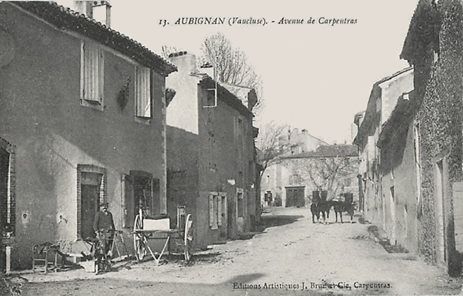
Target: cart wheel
[(139, 246), (188, 238)]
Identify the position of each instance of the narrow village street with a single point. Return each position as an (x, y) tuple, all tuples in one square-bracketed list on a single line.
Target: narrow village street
[(290, 252)]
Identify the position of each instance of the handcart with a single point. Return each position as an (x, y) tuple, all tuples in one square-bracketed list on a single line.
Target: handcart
[(175, 240)]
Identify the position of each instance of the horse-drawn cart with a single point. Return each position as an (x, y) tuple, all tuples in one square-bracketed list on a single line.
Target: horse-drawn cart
[(177, 240)]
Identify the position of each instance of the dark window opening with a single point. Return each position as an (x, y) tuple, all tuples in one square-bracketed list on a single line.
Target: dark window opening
[(240, 204), (210, 100)]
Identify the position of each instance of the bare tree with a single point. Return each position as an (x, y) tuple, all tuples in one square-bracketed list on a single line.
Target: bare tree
[(230, 64), (270, 143), (324, 173)]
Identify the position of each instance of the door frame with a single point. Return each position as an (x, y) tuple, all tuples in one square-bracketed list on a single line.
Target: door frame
[(89, 168), (441, 195)]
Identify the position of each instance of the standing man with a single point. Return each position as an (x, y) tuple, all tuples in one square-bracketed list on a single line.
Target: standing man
[(104, 226)]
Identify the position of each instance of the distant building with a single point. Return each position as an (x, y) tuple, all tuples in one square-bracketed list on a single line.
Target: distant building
[(331, 168), (211, 155), (83, 122), (276, 176)]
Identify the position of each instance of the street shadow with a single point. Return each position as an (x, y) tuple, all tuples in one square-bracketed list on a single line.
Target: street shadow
[(277, 220), (384, 241), (205, 258), (244, 278)]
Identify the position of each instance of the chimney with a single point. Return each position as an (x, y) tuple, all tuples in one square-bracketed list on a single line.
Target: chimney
[(208, 69), (84, 7), (184, 61), (98, 10)]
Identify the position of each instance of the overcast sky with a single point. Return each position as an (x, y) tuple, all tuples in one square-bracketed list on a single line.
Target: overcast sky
[(315, 76)]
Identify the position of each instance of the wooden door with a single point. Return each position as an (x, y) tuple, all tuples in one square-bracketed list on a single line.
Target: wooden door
[(289, 197), (4, 168), (89, 206)]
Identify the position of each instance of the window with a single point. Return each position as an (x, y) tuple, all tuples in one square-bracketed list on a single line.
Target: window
[(210, 99), (92, 74), (143, 92), (214, 208), (238, 133), (240, 205), (217, 209)]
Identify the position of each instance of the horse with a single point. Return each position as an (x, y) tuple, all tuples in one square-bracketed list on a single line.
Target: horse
[(323, 207), (346, 205), (315, 211)]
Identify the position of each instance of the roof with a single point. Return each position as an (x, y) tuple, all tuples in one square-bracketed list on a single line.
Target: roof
[(327, 151), (241, 92), (67, 19), (371, 117), (423, 31), (225, 95)]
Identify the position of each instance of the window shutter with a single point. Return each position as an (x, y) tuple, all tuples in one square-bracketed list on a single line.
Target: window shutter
[(92, 72), (100, 75), (128, 201), (211, 210), (219, 210), (225, 209), (143, 92)]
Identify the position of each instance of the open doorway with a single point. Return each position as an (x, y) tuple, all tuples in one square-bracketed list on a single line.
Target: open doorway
[(91, 192), (90, 199)]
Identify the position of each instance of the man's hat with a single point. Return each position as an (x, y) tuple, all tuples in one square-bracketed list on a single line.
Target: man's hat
[(104, 204)]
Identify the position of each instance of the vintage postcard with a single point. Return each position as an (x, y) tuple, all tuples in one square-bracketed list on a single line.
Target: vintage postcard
[(298, 147)]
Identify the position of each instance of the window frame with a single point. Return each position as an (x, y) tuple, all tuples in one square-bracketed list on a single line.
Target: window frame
[(89, 168)]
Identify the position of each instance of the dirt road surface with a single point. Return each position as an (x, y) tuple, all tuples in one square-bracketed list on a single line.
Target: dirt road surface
[(291, 256)]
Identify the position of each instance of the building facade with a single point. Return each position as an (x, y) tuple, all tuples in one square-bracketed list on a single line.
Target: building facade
[(211, 153), (434, 47), (330, 168), (277, 176), (381, 103), (82, 123)]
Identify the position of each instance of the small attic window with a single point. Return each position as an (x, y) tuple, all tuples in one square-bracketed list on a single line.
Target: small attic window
[(406, 96), (210, 99)]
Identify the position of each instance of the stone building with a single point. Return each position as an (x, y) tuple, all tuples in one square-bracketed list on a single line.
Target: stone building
[(82, 122), (276, 175), (420, 145), (211, 154), (331, 168), (381, 103), (434, 46)]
